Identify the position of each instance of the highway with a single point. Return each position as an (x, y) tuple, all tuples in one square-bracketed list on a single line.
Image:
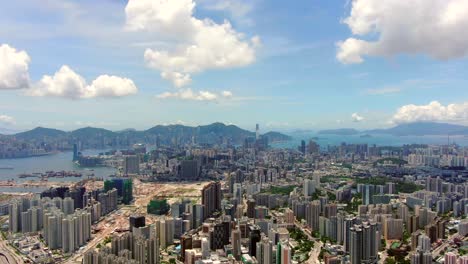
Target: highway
[(7, 254)]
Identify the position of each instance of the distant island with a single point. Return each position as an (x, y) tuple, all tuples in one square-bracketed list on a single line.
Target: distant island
[(340, 131), (410, 129)]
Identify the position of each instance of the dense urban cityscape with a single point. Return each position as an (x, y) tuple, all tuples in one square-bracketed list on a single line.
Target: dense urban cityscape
[(190, 202)]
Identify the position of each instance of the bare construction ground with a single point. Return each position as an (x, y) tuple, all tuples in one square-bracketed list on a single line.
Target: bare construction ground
[(173, 192)]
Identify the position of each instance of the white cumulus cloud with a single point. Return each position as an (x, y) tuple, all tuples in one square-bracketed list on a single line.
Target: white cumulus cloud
[(200, 44), (432, 112), (5, 119), (356, 117), (68, 84), (436, 28), (188, 94), (177, 78), (14, 67)]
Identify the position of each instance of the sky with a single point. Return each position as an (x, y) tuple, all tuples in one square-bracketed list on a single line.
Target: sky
[(310, 64)]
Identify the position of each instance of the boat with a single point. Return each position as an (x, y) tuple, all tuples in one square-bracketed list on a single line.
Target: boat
[(26, 175), (6, 168)]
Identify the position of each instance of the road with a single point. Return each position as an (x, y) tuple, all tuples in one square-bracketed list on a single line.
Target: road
[(7, 254), (445, 244), (315, 252)]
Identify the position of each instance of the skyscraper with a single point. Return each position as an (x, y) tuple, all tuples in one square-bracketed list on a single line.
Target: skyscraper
[(312, 215), (211, 198), (131, 165), (257, 132), (364, 243), (309, 187), (236, 243)]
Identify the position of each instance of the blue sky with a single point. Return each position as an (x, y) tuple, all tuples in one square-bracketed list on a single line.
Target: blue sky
[(292, 78)]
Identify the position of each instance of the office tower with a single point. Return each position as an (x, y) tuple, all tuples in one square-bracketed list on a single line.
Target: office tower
[(211, 198), (251, 208), (237, 192), (254, 238), (131, 165), (185, 244), (136, 221), (75, 152), (236, 243), (312, 215), (219, 236), (313, 147), (189, 170), (309, 187), (302, 147), (257, 132), (76, 194), (264, 251), (364, 243)]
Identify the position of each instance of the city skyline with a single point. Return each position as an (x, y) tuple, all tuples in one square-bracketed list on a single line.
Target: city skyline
[(111, 64)]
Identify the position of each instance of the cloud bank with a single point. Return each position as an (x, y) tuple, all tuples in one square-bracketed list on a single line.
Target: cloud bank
[(436, 28), (68, 84), (432, 112), (14, 74)]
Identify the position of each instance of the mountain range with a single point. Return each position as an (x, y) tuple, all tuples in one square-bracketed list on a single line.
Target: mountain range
[(410, 129), (203, 134)]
